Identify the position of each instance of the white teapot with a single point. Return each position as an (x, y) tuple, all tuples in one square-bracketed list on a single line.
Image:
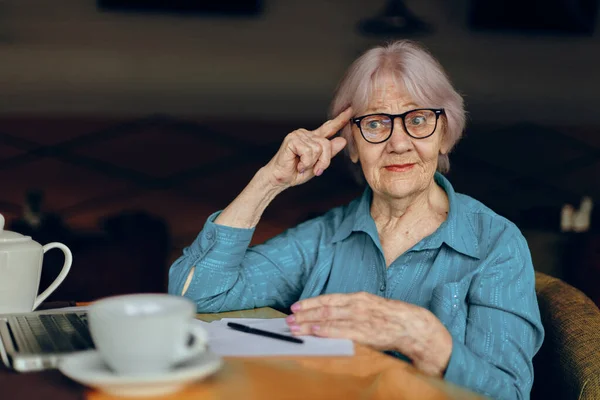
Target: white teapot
[(21, 268)]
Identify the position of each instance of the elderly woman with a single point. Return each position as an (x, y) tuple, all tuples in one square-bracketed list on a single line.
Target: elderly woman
[(410, 267)]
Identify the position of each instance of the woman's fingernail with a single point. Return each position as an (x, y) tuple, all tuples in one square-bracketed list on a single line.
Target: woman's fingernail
[(296, 307), (295, 328), (319, 172), (316, 328), (301, 171), (290, 319)]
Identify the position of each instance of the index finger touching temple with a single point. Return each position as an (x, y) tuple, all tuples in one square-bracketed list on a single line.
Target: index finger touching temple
[(332, 126)]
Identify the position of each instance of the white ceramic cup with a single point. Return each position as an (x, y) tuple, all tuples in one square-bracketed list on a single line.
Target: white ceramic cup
[(141, 334)]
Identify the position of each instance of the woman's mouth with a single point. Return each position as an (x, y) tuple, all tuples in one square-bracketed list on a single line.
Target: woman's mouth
[(399, 167)]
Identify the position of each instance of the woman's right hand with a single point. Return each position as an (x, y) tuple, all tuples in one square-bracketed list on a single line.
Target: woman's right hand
[(305, 154)]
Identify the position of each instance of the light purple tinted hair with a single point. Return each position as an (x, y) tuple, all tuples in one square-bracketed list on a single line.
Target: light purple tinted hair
[(412, 68)]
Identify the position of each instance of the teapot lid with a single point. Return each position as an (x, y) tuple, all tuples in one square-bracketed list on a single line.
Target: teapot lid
[(10, 237)]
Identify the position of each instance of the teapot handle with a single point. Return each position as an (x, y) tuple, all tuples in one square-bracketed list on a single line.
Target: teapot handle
[(61, 277)]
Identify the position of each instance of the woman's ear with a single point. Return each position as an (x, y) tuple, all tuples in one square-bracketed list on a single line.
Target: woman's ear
[(445, 145), (352, 150), (444, 148), (353, 153)]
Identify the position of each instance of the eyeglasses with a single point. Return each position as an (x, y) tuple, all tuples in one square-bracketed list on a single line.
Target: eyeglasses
[(418, 124)]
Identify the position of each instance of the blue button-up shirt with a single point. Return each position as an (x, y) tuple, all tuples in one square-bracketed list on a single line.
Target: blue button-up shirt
[(474, 273)]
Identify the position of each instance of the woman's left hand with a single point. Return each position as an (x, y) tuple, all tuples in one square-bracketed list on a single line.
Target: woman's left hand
[(379, 323)]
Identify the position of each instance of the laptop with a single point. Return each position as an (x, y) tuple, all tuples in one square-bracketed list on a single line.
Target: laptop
[(37, 340)]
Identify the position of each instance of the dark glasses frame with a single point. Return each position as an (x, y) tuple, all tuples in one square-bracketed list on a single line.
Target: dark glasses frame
[(392, 117)]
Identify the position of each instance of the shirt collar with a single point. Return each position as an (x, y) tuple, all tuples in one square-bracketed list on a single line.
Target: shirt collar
[(456, 231), (357, 217)]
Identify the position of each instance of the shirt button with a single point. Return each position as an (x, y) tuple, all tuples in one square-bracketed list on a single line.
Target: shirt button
[(210, 235), (382, 288)]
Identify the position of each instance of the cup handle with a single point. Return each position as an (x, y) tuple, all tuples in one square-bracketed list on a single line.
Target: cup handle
[(61, 277), (187, 352)]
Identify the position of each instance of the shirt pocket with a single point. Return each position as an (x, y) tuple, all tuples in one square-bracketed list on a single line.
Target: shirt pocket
[(449, 305)]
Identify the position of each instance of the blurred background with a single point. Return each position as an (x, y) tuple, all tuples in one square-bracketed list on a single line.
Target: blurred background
[(125, 123)]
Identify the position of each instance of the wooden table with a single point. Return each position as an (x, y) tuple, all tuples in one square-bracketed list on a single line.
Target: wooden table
[(368, 374)]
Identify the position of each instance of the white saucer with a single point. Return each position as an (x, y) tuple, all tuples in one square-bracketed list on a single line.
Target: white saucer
[(89, 369)]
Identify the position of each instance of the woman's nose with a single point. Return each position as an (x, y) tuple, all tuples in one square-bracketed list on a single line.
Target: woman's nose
[(399, 141)]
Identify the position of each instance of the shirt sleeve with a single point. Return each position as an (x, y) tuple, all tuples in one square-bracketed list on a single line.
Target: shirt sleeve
[(230, 275), (504, 329)]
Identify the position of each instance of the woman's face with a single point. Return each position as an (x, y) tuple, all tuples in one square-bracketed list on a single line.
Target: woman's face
[(401, 166)]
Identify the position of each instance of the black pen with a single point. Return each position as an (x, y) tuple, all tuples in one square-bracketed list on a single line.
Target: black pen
[(260, 332)]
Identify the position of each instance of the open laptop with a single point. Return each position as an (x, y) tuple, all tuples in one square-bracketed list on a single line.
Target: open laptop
[(37, 340)]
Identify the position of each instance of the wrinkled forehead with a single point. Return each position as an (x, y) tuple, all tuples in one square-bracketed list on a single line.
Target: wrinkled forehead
[(389, 93), (383, 87), (388, 85)]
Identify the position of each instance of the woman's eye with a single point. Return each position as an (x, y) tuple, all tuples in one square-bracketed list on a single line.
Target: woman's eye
[(417, 120)]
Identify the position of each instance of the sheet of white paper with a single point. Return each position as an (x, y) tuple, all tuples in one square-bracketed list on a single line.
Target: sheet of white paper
[(228, 342)]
